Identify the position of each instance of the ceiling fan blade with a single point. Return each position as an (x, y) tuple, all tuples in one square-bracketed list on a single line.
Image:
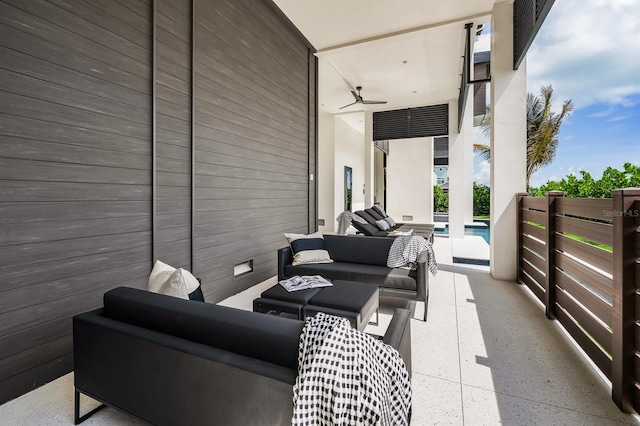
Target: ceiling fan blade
[(349, 105), (355, 95), (374, 102)]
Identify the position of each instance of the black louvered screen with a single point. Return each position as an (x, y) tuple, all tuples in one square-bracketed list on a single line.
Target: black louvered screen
[(528, 16), (523, 24), (432, 120), (390, 125), (540, 8)]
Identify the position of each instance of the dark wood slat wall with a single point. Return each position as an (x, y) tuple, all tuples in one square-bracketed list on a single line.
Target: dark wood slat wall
[(76, 181), (313, 143), (252, 141), (173, 136), (74, 174)]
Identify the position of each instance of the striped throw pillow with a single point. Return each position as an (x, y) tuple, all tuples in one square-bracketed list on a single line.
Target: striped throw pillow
[(308, 248)]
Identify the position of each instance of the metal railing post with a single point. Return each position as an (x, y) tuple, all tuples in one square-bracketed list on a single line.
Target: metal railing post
[(550, 253), (625, 223)]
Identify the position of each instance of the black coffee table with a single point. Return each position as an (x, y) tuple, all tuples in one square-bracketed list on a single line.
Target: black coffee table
[(349, 299)]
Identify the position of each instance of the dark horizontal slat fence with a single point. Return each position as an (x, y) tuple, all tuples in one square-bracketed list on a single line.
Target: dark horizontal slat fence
[(581, 258)]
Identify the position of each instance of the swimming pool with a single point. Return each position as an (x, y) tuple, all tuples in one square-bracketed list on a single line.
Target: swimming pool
[(482, 230)]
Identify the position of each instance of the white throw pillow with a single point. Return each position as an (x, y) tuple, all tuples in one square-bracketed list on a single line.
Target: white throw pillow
[(382, 224), (308, 248), (165, 279), (390, 221)]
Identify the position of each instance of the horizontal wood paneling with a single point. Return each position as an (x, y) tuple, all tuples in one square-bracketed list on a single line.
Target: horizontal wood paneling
[(595, 281), (75, 126), (592, 208), (593, 255), (252, 140), (588, 298), (76, 167), (533, 245), (536, 203), (591, 326), (172, 241), (534, 231), (593, 231), (534, 216)]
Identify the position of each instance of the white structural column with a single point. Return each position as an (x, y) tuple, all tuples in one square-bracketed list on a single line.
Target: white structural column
[(410, 180), (467, 133), (460, 168), (508, 143), (369, 163)]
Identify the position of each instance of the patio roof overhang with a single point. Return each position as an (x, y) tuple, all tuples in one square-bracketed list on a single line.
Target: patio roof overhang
[(408, 53)]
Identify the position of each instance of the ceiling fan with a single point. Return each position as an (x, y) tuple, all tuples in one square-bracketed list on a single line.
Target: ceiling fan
[(359, 99)]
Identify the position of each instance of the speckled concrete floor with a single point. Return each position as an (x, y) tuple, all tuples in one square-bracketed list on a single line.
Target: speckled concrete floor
[(486, 355)]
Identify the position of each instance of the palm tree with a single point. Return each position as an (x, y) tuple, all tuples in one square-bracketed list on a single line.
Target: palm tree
[(543, 127)]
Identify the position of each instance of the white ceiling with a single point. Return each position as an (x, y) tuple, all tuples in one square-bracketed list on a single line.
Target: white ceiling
[(407, 52)]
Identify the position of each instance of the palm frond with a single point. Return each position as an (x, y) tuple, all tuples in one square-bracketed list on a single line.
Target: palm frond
[(483, 150)]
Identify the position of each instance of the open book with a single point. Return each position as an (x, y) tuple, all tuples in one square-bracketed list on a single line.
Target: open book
[(303, 282)]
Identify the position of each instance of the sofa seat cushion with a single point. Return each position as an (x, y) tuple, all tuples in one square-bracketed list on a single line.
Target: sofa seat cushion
[(374, 274), (267, 337)]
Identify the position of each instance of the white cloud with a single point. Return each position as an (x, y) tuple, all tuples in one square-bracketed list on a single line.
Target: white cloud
[(588, 50), (482, 173), (538, 179), (618, 118)]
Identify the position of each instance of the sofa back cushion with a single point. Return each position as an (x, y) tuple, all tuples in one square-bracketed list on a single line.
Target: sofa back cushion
[(358, 249), (267, 337)]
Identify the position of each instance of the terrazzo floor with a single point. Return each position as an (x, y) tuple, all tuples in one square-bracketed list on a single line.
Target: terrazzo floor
[(487, 355)]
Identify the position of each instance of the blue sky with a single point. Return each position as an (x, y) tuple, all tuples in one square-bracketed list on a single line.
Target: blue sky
[(589, 50)]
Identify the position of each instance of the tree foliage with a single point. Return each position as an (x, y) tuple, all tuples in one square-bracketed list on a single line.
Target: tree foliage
[(585, 186), (481, 200), (440, 200), (543, 127)]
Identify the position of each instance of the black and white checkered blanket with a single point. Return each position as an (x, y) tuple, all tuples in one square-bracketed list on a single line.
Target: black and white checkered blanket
[(405, 250), (346, 377)]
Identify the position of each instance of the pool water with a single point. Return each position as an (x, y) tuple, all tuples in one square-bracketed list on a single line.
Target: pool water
[(479, 230)]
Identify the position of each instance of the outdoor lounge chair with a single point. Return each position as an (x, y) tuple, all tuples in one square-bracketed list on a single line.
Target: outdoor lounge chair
[(371, 216)]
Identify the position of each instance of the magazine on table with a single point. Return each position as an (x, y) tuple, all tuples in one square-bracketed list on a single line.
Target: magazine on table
[(303, 282)]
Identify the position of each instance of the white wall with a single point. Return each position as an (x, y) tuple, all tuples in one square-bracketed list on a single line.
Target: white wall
[(339, 145), (349, 151), (410, 179), (325, 175)]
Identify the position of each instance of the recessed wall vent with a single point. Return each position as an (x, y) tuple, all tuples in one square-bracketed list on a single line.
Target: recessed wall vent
[(407, 217), (243, 268)]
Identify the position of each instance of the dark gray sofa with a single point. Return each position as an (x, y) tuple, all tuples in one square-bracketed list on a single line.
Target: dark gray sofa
[(170, 361), (363, 259)]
